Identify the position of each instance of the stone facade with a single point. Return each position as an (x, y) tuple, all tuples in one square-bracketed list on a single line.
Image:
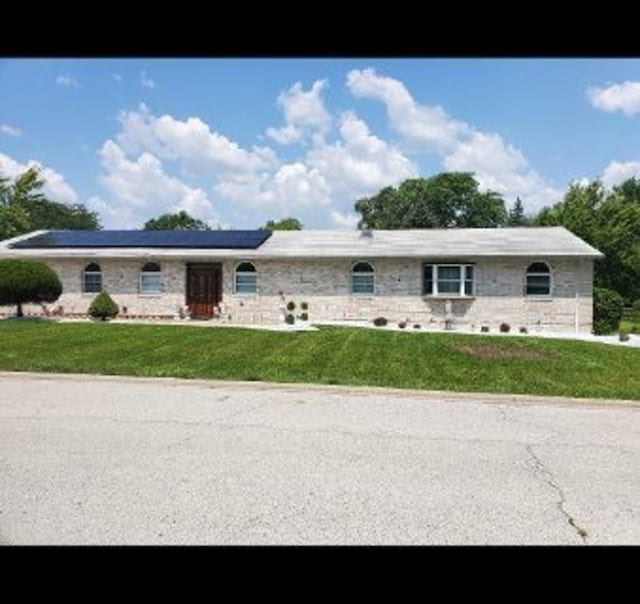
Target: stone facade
[(325, 285)]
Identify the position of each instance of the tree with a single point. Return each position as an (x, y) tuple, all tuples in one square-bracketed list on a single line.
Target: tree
[(610, 222), (181, 221), (24, 281), (516, 216), (24, 208), (446, 200), (284, 224)]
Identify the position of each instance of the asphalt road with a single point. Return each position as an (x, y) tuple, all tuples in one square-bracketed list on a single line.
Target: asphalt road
[(125, 461)]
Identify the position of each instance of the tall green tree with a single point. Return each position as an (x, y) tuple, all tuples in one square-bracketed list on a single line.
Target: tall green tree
[(446, 200), (24, 208), (181, 221), (284, 224), (610, 221), (516, 215)]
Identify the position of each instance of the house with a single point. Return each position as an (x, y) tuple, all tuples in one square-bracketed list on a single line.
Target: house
[(538, 278)]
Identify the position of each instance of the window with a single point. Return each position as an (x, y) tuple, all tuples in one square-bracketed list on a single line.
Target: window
[(448, 280), (92, 278), (362, 278), (151, 279), (246, 278), (538, 282)]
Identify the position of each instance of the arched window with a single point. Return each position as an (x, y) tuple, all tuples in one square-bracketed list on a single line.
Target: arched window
[(92, 278), (362, 278), (151, 279), (538, 282), (246, 278)]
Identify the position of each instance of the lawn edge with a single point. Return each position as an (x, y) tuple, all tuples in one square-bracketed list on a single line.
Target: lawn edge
[(448, 395)]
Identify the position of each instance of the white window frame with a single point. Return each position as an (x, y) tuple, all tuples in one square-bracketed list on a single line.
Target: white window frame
[(463, 279), (85, 273), (527, 274), (144, 273), (253, 273), (372, 274)]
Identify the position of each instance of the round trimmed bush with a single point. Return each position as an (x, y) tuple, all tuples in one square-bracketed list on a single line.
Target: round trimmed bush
[(290, 319), (103, 307), (291, 306), (607, 310), (505, 327), (24, 281), (380, 321), (305, 306), (304, 316)]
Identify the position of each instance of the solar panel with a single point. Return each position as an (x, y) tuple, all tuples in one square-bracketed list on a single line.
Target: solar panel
[(159, 239)]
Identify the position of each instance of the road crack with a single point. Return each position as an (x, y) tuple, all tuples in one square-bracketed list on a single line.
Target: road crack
[(550, 479)]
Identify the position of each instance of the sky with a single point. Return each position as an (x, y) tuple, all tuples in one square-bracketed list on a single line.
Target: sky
[(237, 142)]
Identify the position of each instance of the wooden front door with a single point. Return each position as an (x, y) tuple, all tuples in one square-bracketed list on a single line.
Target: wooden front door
[(204, 289)]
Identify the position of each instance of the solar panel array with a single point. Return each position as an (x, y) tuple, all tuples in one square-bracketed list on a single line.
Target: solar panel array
[(155, 239)]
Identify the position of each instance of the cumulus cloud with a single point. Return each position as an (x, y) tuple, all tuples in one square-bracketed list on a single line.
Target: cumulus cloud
[(66, 81), (304, 115), (55, 186), (190, 142), (618, 171), (140, 189), (346, 221), (623, 97), (497, 164), (146, 81), (10, 130)]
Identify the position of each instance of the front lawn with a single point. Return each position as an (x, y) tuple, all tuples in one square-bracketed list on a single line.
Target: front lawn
[(332, 355)]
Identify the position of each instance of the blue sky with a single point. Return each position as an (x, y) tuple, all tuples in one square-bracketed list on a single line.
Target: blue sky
[(237, 142)]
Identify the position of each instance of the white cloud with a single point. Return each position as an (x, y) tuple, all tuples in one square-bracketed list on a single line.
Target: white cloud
[(344, 221), (328, 176), (140, 189), (623, 97), (496, 164), (55, 187), (117, 77), (66, 81), (10, 130), (304, 115), (190, 142), (432, 127), (618, 171), (146, 81)]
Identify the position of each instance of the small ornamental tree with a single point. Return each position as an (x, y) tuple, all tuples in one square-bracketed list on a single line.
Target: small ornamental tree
[(103, 306), (27, 281)]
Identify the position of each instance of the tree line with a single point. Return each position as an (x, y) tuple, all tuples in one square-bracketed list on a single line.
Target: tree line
[(608, 219)]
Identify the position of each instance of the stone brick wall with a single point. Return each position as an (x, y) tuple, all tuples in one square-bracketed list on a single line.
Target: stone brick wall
[(499, 296), (325, 285)]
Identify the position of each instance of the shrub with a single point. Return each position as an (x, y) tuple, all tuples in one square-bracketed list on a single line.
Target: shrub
[(416, 326), (304, 306), (636, 306), (523, 330), (623, 334), (402, 324), (103, 306), (290, 319), (505, 327), (484, 329), (607, 310), (291, 306), (23, 281), (304, 316), (380, 321)]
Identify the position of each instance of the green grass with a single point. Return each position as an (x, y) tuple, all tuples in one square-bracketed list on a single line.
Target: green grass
[(332, 355)]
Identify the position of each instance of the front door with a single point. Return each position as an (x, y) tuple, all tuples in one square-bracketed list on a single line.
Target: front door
[(204, 289)]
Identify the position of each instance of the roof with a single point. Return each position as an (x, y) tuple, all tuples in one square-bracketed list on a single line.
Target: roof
[(159, 239), (412, 243)]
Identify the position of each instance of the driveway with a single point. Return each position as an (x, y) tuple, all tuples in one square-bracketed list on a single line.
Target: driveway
[(152, 461)]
